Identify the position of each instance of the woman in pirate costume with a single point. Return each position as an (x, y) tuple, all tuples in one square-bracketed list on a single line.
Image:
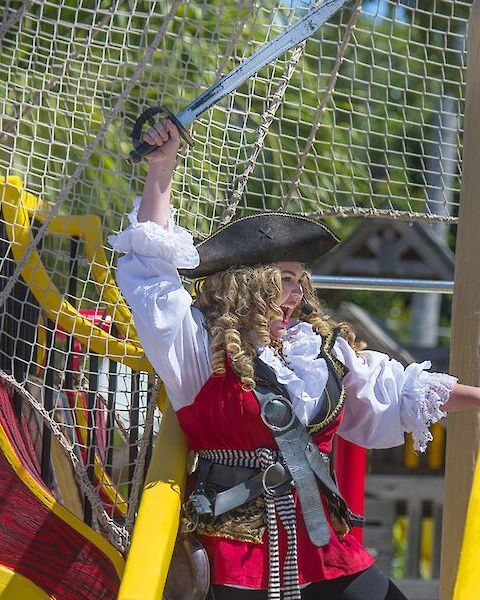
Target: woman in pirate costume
[(261, 381)]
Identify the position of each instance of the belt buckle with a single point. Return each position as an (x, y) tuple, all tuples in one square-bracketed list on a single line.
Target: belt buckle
[(271, 490), (192, 462), (286, 403)]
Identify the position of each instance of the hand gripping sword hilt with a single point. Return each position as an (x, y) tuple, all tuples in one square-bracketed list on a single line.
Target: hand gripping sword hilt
[(141, 149)]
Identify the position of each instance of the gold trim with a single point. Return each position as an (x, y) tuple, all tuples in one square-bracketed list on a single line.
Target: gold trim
[(246, 523), (252, 537), (329, 342), (340, 369), (330, 417)]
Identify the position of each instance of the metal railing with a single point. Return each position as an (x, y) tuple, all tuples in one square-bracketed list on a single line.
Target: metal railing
[(382, 284)]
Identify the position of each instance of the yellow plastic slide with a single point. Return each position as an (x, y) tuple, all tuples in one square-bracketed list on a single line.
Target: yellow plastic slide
[(158, 517)]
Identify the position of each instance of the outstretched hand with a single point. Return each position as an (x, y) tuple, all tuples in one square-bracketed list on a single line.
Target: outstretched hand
[(164, 135)]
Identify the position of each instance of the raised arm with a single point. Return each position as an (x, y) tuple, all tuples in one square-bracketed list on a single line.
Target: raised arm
[(172, 334), (155, 205)]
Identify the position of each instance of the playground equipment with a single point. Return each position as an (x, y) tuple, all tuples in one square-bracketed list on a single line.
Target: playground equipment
[(365, 119)]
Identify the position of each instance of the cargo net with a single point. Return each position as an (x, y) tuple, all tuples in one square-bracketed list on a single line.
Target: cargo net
[(364, 119)]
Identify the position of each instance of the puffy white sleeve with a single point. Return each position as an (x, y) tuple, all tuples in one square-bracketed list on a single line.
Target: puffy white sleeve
[(385, 400), (171, 332)]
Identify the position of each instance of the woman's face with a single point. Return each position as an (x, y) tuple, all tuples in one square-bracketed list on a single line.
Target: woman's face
[(290, 296)]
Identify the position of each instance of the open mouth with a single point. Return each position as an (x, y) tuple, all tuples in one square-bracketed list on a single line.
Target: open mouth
[(286, 313)]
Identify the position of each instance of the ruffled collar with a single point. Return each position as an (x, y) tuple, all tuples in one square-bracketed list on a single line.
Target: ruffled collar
[(300, 370)]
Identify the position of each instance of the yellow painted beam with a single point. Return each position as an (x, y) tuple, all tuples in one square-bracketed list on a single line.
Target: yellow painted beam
[(16, 206), (467, 584), (157, 522), (89, 229), (14, 586), (49, 501)]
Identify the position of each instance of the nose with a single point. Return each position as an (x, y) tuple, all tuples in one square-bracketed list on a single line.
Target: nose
[(297, 290)]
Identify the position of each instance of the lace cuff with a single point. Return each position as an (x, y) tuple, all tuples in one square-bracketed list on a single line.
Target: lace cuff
[(173, 244), (423, 396)]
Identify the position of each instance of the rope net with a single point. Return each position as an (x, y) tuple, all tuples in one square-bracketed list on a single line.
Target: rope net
[(363, 119)]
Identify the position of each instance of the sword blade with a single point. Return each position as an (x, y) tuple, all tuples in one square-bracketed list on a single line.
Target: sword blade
[(296, 34)]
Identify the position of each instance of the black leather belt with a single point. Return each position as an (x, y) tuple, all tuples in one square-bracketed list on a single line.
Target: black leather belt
[(222, 475), (243, 485)]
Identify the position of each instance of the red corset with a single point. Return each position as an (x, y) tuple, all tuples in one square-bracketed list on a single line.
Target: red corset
[(224, 416)]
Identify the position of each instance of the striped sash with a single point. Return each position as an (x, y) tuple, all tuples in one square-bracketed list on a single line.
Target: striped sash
[(283, 506)]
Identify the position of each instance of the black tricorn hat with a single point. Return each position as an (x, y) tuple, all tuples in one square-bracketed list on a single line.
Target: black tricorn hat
[(264, 238)]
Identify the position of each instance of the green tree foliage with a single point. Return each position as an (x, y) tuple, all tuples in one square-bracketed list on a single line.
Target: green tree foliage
[(65, 66), (394, 72)]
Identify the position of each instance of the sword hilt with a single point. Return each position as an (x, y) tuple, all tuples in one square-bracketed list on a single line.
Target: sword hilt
[(141, 149)]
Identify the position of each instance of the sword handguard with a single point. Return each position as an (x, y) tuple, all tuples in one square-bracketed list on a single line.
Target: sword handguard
[(141, 149)]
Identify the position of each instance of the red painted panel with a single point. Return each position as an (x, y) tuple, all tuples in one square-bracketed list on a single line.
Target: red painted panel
[(350, 467), (40, 545)]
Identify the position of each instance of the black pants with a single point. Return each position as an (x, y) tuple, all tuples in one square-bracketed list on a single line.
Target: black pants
[(370, 584)]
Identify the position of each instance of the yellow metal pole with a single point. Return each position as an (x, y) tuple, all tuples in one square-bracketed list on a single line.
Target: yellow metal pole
[(435, 451), (158, 516), (463, 429), (411, 457), (467, 584)]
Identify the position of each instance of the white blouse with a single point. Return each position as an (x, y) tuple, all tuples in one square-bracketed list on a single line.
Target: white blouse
[(383, 399)]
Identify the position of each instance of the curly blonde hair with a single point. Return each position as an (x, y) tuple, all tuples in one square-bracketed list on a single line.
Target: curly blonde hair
[(238, 305)]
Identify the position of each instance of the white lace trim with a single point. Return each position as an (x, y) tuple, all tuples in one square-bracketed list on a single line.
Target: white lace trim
[(304, 375), (423, 396), (172, 244)]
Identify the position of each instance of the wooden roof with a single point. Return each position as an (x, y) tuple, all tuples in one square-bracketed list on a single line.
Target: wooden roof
[(388, 248)]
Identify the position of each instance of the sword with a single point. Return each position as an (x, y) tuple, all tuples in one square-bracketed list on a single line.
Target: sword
[(293, 36)]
